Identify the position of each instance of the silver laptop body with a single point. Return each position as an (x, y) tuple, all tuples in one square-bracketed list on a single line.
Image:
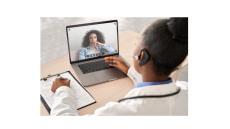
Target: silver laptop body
[(75, 35)]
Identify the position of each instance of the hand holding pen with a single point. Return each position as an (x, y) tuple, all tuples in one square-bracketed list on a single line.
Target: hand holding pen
[(60, 82)]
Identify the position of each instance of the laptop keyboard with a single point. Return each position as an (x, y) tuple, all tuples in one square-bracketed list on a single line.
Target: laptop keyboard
[(94, 66)]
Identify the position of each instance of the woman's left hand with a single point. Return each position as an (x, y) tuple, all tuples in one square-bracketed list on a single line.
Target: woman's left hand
[(99, 44)]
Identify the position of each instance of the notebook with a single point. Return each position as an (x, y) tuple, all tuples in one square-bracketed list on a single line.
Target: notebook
[(83, 98)]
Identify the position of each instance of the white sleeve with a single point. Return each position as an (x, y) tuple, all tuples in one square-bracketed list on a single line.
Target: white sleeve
[(112, 109), (64, 102), (134, 75)]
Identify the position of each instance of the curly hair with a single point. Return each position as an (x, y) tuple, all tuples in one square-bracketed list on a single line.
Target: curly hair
[(100, 37)]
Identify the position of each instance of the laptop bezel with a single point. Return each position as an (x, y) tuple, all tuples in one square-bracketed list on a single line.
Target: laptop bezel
[(86, 24)]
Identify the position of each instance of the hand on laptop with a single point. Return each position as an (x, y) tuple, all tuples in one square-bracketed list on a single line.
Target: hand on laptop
[(119, 63), (58, 83)]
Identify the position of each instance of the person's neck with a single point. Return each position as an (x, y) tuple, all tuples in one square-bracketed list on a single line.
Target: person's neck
[(91, 46), (148, 76)]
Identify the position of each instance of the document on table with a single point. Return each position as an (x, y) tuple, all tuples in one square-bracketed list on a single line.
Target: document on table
[(82, 98)]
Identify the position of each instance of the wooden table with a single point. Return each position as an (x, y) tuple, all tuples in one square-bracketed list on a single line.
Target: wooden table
[(104, 92)]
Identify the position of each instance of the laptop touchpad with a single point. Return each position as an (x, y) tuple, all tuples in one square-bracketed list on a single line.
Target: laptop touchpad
[(109, 74)]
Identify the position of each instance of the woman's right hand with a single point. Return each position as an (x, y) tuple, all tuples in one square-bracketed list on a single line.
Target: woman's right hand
[(119, 63)]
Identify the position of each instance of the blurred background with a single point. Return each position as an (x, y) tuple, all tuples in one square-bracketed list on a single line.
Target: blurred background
[(54, 41)]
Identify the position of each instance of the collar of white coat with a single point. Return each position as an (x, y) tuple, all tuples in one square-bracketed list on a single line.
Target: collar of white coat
[(153, 90)]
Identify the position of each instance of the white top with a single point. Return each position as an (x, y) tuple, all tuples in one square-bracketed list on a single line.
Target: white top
[(93, 50), (167, 106)]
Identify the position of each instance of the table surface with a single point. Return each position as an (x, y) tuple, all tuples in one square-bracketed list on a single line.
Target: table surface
[(104, 92)]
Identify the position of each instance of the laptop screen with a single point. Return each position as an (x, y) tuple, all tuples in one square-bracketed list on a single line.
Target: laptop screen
[(92, 40)]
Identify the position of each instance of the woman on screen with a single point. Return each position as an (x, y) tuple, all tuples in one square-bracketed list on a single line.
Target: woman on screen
[(93, 42)]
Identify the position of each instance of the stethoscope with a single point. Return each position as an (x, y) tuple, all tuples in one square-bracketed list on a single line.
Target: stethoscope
[(152, 96)]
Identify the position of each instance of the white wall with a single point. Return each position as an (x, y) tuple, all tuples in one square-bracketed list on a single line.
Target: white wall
[(76, 34)]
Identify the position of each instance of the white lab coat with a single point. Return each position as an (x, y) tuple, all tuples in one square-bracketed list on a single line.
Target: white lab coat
[(173, 105)]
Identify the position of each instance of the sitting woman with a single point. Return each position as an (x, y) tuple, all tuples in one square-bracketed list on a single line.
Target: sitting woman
[(93, 42)]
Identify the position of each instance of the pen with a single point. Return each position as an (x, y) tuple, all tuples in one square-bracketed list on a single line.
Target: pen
[(62, 78)]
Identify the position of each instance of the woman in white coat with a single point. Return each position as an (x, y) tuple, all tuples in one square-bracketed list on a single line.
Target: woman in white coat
[(161, 48)]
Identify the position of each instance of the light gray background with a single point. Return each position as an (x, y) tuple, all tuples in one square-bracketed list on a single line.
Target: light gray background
[(54, 40), (77, 33)]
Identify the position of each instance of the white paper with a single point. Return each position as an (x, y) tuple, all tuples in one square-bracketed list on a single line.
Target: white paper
[(82, 97)]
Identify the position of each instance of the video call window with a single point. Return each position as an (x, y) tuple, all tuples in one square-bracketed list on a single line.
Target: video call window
[(91, 41)]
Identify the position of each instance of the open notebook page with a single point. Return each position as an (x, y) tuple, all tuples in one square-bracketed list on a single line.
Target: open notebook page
[(82, 97)]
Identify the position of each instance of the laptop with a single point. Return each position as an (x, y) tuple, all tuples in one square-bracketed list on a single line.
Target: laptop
[(88, 45)]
